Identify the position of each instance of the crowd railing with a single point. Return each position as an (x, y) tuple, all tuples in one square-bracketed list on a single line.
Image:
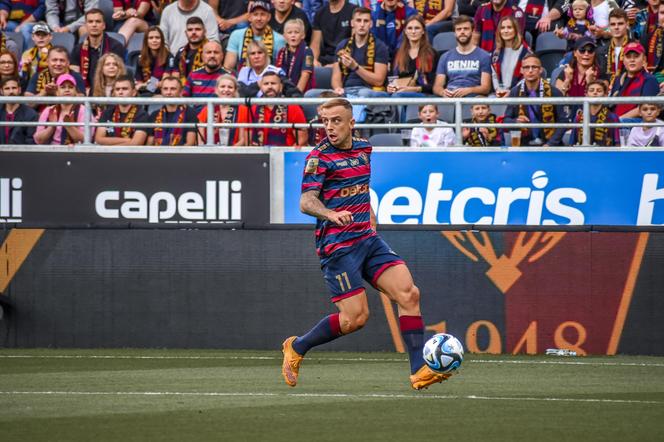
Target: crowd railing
[(458, 125)]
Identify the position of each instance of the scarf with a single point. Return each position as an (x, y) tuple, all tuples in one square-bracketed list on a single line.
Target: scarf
[(610, 60), (34, 63), (172, 135), (497, 63), (230, 117), (488, 35), (477, 139), (125, 132), (184, 66), (292, 63), (68, 140), (268, 41), (598, 135), (43, 79), (652, 21), (655, 46), (535, 8), (3, 42), (275, 137), (380, 18), (371, 58), (548, 115), (429, 8), (85, 56)]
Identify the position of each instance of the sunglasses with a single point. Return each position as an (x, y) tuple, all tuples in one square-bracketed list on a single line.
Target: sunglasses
[(587, 50)]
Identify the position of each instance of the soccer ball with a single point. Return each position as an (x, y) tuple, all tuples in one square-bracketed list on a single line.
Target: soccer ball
[(443, 353)]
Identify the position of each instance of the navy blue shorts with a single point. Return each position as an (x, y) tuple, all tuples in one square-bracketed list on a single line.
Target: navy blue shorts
[(367, 260)]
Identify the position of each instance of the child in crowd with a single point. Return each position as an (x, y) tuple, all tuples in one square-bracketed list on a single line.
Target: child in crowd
[(599, 113), (431, 137), (481, 136), (296, 59), (578, 25), (643, 136)]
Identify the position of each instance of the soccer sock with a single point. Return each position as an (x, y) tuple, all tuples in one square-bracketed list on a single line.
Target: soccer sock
[(328, 329), (412, 331)]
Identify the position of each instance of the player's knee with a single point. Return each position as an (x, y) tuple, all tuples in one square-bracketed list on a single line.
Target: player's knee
[(410, 297), (355, 321)]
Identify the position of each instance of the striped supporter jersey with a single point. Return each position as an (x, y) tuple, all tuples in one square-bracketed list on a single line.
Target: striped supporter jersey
[(342, 178)]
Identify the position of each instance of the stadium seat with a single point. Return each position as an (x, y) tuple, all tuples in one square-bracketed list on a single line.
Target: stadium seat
[(106, 7), (17, 38), (65, 39), (135, 43), (550, 50), (557, 72), (529, 39), (323, 76), (412, 113), (444, 41), (446, 112), (389, 140)]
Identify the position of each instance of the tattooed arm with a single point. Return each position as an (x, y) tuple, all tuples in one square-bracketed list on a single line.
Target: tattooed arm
[(312, 205)]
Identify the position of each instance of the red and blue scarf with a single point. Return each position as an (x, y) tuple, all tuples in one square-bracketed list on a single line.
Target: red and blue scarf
[(629, 87), (497, 61), (292, 64)]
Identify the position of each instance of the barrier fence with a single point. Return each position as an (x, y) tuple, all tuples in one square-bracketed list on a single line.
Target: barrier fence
[(458, 125)]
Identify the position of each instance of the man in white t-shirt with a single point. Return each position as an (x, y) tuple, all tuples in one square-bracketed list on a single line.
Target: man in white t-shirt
[(174, 22)]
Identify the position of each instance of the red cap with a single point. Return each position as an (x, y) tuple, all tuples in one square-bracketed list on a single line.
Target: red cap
[(634, 47)]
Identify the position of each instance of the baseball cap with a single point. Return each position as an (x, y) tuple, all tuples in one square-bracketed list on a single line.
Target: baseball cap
[(634, 47), (259, 4), (585, 41), (41, 27), (65, 78)]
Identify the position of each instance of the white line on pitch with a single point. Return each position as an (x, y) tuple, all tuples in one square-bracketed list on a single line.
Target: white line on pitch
[(324, 395), (333, 359)]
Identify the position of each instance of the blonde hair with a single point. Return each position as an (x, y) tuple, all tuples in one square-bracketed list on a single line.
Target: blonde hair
[(580, 3), (100, 80), (334, 102), (230, 78), (295, 22)]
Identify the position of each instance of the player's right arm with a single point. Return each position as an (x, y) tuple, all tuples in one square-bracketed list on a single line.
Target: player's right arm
[(312, 205)]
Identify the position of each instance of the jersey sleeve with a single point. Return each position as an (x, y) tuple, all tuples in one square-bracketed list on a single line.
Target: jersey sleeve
[(315, 170)]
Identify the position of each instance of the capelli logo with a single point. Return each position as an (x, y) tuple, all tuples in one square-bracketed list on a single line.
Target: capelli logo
[(11, 200)]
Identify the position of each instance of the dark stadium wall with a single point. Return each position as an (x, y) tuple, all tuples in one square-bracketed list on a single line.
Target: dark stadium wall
[(596, 293)]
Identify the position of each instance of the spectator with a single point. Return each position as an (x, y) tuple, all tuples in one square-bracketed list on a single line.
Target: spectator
[(296, 59), (259, 29), (543, 15), (645, 21), (34, 60), (8, 64), (154, 62), (202, 82), (578, 25), (655, 52), (600, 114), (285, 10), (601, 11), (507, 57), (431, 136), (249, 76), (174, 19), (466, 69), (123, 113), (486, 22), (158, 7), (332, 24), (226, 87), (581, 71), (68, 15), (635, 81), (311, 7), (481, 136), (44, 84), (175, 114), (62, 113), (610, 56), (131, 16), (230, 14), (362, 67), (436, 14), (86, 54), (389, 19), (15, 112), (20, 16), (271, 86), (190, 56), (644, 136), (533, 85), (109, 69)]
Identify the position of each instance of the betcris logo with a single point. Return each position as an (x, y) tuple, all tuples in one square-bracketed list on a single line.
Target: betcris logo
[(506, 188), (11, 200)]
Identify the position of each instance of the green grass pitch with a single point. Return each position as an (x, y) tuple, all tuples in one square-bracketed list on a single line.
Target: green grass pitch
[(201, 395)]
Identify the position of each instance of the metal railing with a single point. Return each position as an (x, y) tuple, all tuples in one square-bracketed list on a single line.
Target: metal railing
[(457, 103)]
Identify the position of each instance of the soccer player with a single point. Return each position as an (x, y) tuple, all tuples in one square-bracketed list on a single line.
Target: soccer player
[(335, 189)]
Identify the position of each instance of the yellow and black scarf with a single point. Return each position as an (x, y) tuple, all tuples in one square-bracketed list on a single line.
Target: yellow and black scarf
[(610, 61), (172, 135), (43, 79), (599, 134), (371, 58), (268, 41), (196, 64), (655, 49), (34, 62), (125, 132), (548, 114), (477, 139), (428, 8)]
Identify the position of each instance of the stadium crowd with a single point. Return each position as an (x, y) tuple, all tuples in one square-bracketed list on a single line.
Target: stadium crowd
[(316, 48)]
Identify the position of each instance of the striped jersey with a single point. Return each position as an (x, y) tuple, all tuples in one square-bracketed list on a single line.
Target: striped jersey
[(342, 178)]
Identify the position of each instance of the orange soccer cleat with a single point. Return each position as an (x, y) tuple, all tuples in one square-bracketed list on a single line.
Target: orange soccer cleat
[(426, 376), (290, 367)]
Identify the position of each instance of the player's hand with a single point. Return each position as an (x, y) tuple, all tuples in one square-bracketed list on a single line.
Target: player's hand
[(342, 218)]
